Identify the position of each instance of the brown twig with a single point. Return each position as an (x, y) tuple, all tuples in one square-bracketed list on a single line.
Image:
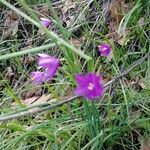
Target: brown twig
[(133, 65), (35, 110), (38, 109)]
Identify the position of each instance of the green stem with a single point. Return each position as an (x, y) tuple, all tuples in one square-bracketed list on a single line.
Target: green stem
[(27, 51)]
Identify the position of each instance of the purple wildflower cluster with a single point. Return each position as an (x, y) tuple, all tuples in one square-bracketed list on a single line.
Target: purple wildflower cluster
[(49, 65), (89, 85)]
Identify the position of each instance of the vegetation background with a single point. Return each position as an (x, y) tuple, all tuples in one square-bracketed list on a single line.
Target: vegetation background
[(119, 120)]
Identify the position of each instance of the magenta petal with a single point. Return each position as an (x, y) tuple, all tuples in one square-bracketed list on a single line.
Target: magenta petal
[(45, 22), (104, 49), (37, 77), (49, 74), (80, 80), (50, 66), (80, 92), (47, 61), (89, 85)]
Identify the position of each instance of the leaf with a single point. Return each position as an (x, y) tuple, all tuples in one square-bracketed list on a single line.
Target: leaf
[(70, 21), (35, 100), (69, 4), (10, 25), (39, 100), (120, 39), (28, 60), (137, 82), (141, 22), (43, 10), (118, 9), (43, 99), (125, 19), (9, 72), (77, 42), (29, 101), (123, 40), (142, 84)]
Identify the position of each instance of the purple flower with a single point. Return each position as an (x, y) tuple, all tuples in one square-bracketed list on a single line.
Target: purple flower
[(89, 85), (37, 77), (47, 61), (45, 22), (104, 49), (50, 66)]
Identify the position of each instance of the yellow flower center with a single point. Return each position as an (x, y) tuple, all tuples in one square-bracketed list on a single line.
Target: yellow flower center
[(90, 86), (32, 78)]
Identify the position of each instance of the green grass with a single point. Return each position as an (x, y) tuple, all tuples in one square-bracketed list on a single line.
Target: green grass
[(116, 121)]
